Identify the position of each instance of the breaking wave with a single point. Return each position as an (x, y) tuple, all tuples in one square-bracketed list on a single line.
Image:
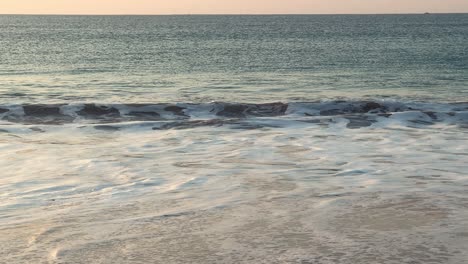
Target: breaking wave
[(187, 115)]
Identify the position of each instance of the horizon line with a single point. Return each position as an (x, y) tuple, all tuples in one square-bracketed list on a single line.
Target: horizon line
[(234, 14)]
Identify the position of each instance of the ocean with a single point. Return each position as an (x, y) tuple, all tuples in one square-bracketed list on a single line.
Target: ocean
[(234, 139)]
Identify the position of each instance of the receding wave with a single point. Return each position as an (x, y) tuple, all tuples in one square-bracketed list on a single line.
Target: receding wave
[(188, 115)]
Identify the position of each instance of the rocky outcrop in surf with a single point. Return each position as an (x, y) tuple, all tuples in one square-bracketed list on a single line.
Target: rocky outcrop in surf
[(188, 115)]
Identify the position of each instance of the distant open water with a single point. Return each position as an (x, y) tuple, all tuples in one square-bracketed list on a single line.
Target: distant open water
[(234, 139)]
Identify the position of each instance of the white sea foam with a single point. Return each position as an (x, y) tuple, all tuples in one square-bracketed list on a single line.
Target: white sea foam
[(231, 185)]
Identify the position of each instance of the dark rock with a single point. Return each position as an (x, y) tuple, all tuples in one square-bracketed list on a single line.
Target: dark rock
[(177, 110), (145, 115), (233, 110), (385, 115), (331, 112), (41, 110), (92, 110), (369, 106), (4, 131), (273, 109), (142, 113), (41, 114), (138, 105), (3, 110)]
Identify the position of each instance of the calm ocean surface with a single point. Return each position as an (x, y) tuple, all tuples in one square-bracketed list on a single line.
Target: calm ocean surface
[(234, 139)]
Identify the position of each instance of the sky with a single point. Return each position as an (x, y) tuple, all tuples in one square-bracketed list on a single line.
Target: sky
[(231, 6)]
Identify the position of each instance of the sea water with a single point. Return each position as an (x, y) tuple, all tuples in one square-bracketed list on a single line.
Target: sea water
[(234, 139)]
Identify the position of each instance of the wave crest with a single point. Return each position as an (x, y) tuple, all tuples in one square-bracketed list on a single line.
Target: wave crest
[(359, 113)]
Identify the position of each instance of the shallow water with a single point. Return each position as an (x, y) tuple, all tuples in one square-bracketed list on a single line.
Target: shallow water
[(302, 193), (113, 159)]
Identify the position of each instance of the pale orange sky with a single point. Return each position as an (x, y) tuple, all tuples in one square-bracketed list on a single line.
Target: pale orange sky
[(230, 6)]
